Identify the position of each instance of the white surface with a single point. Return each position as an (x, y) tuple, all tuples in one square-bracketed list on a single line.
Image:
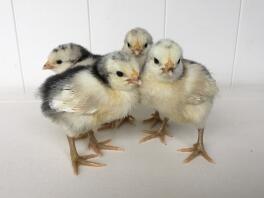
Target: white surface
[(249, 65), (35, 158)]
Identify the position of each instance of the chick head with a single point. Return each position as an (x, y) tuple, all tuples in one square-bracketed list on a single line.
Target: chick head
[(164, 60), (122, 71), (137, 42), (63, 57)]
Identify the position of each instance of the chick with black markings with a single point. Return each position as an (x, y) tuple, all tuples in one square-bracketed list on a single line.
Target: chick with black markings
[(67, 56), (82, 98)]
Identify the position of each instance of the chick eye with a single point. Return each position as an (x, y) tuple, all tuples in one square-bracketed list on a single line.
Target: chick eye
[(119, 73), (59, 61), (128, 44), (146, 45), (179, 61), (156, 61)]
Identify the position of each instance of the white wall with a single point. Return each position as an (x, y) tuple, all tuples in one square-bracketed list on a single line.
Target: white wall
[(224, 35)]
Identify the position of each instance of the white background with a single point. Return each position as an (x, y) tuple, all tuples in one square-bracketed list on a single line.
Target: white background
[(225, 35)]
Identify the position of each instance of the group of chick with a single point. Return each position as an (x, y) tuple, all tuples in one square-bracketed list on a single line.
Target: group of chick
[(93, 92)]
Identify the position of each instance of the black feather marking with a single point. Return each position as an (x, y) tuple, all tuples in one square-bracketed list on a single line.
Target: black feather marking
[(100, 75), (52, 84), (206, 71), (86, 54)]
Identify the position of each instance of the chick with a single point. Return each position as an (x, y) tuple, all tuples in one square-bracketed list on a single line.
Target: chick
[(181, 90), (82, 98), (137, 42), (69, 55)]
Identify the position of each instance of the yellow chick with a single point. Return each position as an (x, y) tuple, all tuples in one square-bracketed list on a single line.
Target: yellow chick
[(137, 43), (181, 90)]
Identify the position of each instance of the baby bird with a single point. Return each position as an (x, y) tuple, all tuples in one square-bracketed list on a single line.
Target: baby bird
[(137, 42), (69, 55), (82, 98), (181, 90)]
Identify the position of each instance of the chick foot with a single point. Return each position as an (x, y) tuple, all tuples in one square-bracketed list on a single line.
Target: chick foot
[(128, 119), (97, 147), (154, 119), (117, 123), (197, 149), (161, 133), (78, 160)]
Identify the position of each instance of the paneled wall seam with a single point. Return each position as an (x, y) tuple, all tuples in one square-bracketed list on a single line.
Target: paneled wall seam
[(165, 19), (18, 46), (89, 24), (234, 65)]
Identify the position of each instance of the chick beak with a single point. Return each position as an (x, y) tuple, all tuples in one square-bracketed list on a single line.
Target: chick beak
[(169, 67), (134, 79), (47, 65), (137, 49)]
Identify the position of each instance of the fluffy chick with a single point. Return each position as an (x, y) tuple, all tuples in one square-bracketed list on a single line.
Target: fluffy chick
[(181, 90), (137, 42), (69, 55), (82, 98)]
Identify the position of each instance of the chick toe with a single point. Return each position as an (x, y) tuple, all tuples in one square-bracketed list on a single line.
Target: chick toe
[(97, 147), (197, 149), (161, 133), (154, 119), (78, 160)]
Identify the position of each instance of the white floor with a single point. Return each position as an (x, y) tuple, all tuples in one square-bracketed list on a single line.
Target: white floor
[(35, 158)]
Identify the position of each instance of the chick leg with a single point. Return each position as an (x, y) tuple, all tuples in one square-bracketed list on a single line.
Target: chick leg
[(117, 123), (82, 136), (99, 146), (128, 119), (80, 160), (197, 149), (160, 133), (154, 119)]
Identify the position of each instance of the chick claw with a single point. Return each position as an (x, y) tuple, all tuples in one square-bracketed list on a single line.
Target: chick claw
[(196, 150), (154, 119), (155, 134), (99, 146), (78, 160), (83, 160), (161, 133)]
